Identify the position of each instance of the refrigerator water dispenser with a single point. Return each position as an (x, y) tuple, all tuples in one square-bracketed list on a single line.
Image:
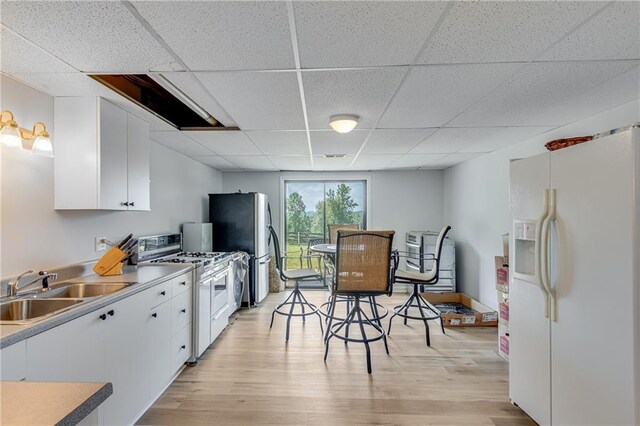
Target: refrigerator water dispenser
[(524, 237)]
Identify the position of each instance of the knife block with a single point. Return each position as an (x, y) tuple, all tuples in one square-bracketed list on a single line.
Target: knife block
[(110, 263)]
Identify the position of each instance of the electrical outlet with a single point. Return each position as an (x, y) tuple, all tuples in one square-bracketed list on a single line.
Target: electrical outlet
[(100, 243)]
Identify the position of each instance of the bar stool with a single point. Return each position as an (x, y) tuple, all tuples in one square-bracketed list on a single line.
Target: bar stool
[(426, 310), (363, 269), (296, 298)]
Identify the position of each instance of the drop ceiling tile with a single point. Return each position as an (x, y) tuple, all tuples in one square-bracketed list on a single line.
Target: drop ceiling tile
[(395, 141), (192, 87), (281, 142), (612, 34), (617, 91), (322, 163), (223, 35), (330, 142), (499, 31), (179, 142), (88, 35), (475, 139), (225, 142), (292, 162), (535, 89), (373, 161), (20, 56), (433, 95), (413, 161), (489, 139), (258, 100), (251, 162), (451, 160), (216, 162), (367, 33), (363, 92)]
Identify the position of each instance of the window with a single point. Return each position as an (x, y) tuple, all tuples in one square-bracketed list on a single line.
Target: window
[(310, 205)]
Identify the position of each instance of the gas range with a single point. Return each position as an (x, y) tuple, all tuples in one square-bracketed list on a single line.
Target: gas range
[(209, 261)]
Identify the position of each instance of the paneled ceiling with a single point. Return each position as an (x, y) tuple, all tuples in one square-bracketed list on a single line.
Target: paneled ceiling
[(434, 83)]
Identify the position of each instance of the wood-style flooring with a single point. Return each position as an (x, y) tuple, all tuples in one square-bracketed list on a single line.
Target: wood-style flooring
[(251, 376)]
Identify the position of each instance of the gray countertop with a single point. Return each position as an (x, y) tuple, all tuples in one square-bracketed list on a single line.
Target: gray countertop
[(144, 275), (46, 403)]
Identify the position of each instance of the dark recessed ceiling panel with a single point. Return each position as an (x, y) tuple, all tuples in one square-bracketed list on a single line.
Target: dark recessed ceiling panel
[(144, 91)]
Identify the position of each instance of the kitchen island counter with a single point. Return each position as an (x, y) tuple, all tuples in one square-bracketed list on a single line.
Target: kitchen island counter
[(40, 403)]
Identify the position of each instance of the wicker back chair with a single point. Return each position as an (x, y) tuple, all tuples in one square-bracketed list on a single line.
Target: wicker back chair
[(363, 262), (295, 299), (425, 310), (334, 227), (364, 267)]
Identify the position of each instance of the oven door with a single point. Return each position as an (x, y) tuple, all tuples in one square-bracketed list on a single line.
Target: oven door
[(202, 331), (220, 291)]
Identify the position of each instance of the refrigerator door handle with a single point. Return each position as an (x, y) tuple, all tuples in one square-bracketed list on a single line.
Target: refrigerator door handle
[(538, 251), (264, 262), (544, 252)]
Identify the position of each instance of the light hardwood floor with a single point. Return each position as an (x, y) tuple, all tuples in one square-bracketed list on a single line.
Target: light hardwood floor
[(251, 376)]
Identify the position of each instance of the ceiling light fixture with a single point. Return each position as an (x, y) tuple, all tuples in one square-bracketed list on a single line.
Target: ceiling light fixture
[(343, 123), (175, 91), (12, 135)]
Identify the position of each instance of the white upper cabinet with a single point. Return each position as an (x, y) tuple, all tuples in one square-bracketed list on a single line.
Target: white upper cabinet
[(101, 156)]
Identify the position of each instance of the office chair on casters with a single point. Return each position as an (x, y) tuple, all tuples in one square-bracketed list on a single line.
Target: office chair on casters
[(426, 310), (296, 298)]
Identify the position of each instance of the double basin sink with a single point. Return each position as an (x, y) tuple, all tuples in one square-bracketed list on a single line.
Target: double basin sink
[(31, 307)]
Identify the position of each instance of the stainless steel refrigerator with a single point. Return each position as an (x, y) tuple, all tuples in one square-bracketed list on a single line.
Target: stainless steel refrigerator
[(239, 222)]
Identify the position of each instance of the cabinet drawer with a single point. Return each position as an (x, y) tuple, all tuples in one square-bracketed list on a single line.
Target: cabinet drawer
[(159, 294), (181, 348), (181, 284), (180, 311)]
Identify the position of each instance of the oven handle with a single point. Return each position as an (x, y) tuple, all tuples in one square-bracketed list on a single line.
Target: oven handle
[(217, 277), (414, 245)]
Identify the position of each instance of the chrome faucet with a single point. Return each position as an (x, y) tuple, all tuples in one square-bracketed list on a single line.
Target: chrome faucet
[(44, 276)]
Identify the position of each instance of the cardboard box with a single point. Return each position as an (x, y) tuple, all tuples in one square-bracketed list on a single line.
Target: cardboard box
[(503, 341), (483, 317), (503, 308), (502, 273)]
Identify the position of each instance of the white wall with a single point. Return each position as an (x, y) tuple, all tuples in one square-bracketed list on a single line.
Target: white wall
[(35, 236), (476, 200), (399, 200)]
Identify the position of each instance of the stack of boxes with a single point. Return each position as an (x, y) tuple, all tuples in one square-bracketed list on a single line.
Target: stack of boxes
[(502, 287)]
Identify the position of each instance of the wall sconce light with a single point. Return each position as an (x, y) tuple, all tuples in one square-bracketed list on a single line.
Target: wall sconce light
[(12, 135)]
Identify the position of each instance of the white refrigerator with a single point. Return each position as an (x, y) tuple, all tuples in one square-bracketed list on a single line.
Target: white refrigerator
[(574, 294)]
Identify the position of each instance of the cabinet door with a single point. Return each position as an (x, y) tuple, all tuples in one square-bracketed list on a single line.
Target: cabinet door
[(125, 359), (73, 351), (13, 362), (113, 157), (159, 348), (138, 163)]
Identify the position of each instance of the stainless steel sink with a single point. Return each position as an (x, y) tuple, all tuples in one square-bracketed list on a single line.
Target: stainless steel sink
[(81, 290), (19, 311)]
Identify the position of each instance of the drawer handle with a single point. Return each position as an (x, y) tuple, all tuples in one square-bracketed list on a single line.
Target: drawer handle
[(132, 204), (103, 317), (184, 311), (183, 347), (155, 315), (183, 283), (163, 293), (111, 312)]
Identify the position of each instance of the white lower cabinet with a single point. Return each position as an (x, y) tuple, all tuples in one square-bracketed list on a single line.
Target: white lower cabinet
[(159, 355), (13, 362), (130, 343)]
